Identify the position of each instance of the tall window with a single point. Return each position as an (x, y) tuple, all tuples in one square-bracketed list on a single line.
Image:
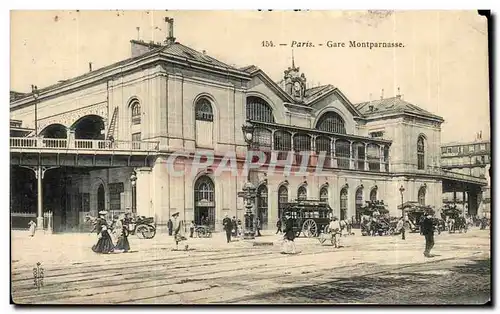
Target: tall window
[(204, 190), (136, 140), (373, 156), (359, 203), (420, 153), (359, 155), (373, 194), (323, 194), (421, 196), (203, 110), (301, 143), (302, 193), (282, 199), (331, 122), (343, 204), (324, 145), (135, 107), (282, 143), (259, 110), (204, 116), (343, 153), (262, 201)]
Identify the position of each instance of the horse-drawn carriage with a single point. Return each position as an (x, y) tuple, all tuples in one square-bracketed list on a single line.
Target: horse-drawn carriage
[(455, 221), (142, 226), (310, 216), (203, 231), (416, 214), (375, 219)]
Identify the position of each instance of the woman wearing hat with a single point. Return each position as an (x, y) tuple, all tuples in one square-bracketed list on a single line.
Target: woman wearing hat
[(122, 244), (177, 226), (104, 244), (289, 235)]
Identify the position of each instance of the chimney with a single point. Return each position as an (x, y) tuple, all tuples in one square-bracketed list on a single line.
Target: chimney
[(170, 31), (399, 93), (90, 66), (204, 52), (382, 94)]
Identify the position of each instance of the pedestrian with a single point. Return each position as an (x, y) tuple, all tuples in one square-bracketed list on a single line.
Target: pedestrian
[(191, 229), (278, 226), (240, 228), (289, 236), (258, 226), (178, 231), (169, 226), (401, 227), (427, 229), (234, 223), (104, 243), (122, 243), (335, 231), (228, 227), (32, 227)]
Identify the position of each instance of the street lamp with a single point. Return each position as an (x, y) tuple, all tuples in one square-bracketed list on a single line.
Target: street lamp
[(133, 179), (36, 94), (401, 190), (249, 188)]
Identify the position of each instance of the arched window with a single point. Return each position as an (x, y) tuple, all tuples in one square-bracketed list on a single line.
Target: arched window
[(343, 204), (282, 199), (323, 194), (135, 107), (204, 111), (204, 190), (259, 110), (204, 116), (331, 122), (204, 201), (263, 138), (373, 194), (301, 143), (324, 145), (421, 196), (421, 153), (302, 193)]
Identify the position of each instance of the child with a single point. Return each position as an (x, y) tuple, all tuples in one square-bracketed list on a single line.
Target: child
[(32, 227)]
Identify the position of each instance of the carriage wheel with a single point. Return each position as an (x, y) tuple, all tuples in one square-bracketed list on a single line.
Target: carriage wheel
[(201, 233), (151, 233), (310, 228), (326, 229), (141, 231)]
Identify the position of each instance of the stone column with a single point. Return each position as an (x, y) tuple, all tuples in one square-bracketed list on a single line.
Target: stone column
[(367, 167), (351, 156), (143, 191), (39, 181)]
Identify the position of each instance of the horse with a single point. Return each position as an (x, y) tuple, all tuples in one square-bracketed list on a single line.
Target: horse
[(346, 225)]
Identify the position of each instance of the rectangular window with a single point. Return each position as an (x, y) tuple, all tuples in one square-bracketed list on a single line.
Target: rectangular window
[(136, 140), (482, 147), (115, 190), (443, 150), (471, 148), (377, 134), (448, 150)]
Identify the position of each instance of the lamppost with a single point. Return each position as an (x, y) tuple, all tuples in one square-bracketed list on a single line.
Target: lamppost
[(36, 94), (401, 190), (133, 179), (249, 188)]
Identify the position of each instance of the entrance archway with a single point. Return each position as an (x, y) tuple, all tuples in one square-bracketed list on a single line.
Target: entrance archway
[(204, 201), (343, 204), (101, 200), (282, 199), (89, 128)]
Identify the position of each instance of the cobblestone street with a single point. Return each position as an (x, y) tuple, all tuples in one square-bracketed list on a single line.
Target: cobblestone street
[(383, 270)]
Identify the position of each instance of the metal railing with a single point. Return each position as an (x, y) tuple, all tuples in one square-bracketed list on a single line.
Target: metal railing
[(56, 143)]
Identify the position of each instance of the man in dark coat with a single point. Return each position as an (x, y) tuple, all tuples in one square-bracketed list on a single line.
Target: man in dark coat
[(427, 229), (169, 226), (228, 227), (289, 234)]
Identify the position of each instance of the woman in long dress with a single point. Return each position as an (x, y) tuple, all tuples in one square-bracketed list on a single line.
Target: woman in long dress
[(178, 231), (104, 245), (122, 243), (32, 227)]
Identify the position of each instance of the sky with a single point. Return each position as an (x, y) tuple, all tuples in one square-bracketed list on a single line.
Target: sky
[(443, 66)]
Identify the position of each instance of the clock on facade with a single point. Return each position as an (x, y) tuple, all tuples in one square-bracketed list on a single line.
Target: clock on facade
[(296, 86)]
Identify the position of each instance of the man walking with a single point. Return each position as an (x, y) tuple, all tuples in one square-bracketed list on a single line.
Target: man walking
[(228, 227), (278, 226), (427, 229)]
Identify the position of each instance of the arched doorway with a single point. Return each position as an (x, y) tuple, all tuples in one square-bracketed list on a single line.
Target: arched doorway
[(421, 196), (101, 202), (89, 128), (262, 208), (282, 199), (302, 193), (204, 201), (343, 204)]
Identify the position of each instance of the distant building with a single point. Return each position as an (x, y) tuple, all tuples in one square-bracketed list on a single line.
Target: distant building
[(469, 158)]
